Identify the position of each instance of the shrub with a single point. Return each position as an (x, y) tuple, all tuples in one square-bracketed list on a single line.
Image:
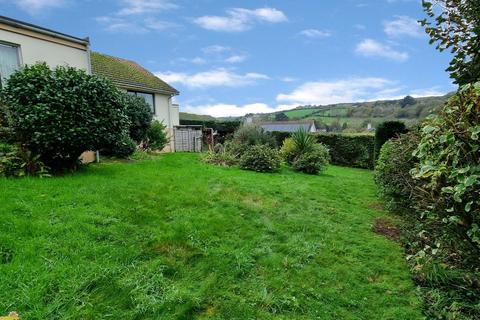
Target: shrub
[(60, 113), (220, 158), (19, 162), (280, 137), (449, 159), (288, 150), (392, 173), (260, 158), (122, 148), (6, 148), (6, 133), (442, 235), (140, 116), (349, 150), (303, 141), (251, 135), (387, 130), (312, 161), (157, 138)]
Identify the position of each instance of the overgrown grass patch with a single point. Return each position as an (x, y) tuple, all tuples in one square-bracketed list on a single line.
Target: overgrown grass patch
[(173, 238)]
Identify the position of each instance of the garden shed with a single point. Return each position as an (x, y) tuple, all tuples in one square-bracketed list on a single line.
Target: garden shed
[(188, 138)]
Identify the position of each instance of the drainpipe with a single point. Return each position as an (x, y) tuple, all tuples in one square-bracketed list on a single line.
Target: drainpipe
[(170, 124)]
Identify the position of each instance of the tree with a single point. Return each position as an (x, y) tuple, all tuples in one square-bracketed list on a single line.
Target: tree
[(281, 117), (140, 116), (58, 114), (387, 130), (407, 101), (456, 27)]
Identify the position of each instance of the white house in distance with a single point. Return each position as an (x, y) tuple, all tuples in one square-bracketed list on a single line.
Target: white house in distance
[(23, 43)]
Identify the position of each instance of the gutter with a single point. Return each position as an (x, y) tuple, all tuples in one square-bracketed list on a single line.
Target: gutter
[(38, 29)]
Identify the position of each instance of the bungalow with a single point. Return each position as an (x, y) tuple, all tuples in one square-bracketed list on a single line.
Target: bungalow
[(134, 79), (289, 126), (23, 43)]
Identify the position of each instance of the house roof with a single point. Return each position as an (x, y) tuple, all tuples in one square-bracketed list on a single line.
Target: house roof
[(28, 26), (286, 126), (128, 74)]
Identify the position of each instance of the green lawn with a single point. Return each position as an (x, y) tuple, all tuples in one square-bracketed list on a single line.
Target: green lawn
[(172, 238)]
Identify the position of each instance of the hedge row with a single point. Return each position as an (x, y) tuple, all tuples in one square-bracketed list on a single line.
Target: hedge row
[(350, 150)]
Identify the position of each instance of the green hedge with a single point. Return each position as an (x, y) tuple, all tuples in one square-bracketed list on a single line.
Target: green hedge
[(350, 150)]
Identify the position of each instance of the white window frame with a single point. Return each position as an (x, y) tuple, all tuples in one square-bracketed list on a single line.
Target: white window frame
[(19, 55)]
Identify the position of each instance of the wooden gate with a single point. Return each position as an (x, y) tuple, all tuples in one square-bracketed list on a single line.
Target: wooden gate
[(188, 138)]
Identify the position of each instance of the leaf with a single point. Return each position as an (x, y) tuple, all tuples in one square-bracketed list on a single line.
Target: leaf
[(468, 206), (470, 181)]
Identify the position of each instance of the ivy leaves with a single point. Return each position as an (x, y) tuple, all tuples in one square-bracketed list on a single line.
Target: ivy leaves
[(449, 157)]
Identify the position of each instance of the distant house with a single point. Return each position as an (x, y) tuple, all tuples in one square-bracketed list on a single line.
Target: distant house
[(134, 79), (23, 43), (289, 126)]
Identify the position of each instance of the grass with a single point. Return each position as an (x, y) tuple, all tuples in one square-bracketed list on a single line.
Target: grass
[(172, 238), (299, 113)]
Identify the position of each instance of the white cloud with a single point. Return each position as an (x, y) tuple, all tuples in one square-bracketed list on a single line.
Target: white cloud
[(136, 16), (240, 19), (288, 79), (403, 26), (430, 92), (315, 33), (225, 110), (37, 6), (131, 7), (116, 24), (236, 58), (339, 91), (373, 48), (217, 54), (214, 78)]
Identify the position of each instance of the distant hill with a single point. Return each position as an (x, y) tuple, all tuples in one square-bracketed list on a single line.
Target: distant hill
[(197, 117), (358, 115), (353, 116)]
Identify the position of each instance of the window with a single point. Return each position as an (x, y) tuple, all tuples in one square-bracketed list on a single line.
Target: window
[(148, 97), (9, 61)]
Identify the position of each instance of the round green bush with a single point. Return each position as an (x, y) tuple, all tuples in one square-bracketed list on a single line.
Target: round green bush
[(312, 161), (122, 148), (260, 158), (58, 114), (140, 116)]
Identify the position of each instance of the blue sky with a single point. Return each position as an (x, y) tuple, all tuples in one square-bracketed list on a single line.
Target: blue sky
[(234, 57)]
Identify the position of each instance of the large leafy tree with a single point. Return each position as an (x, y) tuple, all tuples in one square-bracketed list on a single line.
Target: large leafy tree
[(455, 25)]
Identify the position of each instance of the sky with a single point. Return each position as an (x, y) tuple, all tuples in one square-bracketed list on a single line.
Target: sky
[(232, 57)]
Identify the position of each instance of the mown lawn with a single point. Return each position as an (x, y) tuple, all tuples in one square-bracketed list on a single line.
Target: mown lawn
[(172, 238)]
